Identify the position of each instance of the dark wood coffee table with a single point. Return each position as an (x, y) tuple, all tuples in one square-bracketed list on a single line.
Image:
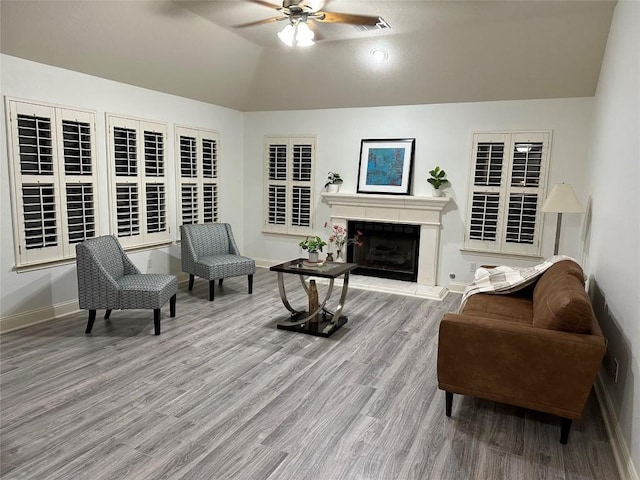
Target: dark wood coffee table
[(320, 322)]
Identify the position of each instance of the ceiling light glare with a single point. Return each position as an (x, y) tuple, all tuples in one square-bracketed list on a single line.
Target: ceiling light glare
[(287, 34), (304, 36), (297, 35), (523, 147), (379, 55)]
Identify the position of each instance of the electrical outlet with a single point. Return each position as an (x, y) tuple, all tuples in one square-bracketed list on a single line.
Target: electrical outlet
[(472, 267), (615, 369)]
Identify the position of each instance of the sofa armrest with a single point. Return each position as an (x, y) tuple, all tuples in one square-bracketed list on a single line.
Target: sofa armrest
[(515, 363)]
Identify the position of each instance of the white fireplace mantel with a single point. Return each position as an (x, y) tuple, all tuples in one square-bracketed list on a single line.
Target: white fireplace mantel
[(423, 211)]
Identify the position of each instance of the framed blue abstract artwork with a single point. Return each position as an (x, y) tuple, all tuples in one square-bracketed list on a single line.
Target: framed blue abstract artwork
[(386, 166)]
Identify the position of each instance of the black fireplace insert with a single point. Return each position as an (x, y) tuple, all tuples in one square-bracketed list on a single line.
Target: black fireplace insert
[(389, 250)]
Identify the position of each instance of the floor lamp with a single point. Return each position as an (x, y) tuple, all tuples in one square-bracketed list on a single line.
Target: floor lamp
[(562, 199)]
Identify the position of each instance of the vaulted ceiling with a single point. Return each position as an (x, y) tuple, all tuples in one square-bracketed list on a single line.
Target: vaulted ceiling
[(438, 51)]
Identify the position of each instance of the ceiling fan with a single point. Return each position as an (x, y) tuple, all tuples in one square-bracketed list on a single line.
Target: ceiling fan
[(298, 12)]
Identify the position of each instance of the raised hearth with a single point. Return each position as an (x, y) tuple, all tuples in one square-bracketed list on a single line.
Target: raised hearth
[(424, 212)]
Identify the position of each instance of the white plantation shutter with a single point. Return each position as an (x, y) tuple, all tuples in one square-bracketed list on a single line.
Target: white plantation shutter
[(301, 206), (507, 185), (209, 158), (277, 174), (197, 151), (485, 207), (52, 169), (210, 202), (289, 167), (154, 154), (139, 181), (81, 211), (40, 216), (156, 208), (127, 210), (277, 205), (189, 203)]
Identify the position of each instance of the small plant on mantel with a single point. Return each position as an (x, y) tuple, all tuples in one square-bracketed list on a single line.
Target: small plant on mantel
[(312, 244), (333, 179), (438, 179)]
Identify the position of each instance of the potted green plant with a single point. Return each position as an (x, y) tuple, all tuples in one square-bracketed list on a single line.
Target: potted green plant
[(333, 182), (313, 245), (438, 179)]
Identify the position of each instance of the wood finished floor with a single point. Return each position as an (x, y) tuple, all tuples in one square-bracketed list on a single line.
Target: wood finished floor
[(223, 395)]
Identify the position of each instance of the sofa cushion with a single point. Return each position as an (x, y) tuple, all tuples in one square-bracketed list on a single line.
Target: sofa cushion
[(560, 269), (512, 308), (564, 306)]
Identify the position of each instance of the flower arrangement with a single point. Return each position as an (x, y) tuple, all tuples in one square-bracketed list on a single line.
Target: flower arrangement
[(339, 237), (312, 244)]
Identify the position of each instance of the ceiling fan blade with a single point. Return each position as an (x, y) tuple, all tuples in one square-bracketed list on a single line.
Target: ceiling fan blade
[(259, 22), (266, 4), (313, 5), (334, 17)]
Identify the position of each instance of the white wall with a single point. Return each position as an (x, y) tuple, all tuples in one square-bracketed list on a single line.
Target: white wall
[(42, 293), (612, 255), (443, 136)]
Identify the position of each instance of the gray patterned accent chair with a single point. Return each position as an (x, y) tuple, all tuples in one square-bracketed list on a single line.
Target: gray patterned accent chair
[(210, 252), (108, 279)]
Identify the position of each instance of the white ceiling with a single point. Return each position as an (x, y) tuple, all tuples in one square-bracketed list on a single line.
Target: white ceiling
[(439, 51)]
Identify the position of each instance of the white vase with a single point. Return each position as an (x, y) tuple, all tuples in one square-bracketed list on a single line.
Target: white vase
[(313, 257), (333, 188), (437, 192)]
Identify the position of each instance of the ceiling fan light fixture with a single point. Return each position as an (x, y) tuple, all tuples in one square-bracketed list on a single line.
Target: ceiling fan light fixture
[(297, 35), (304, 37), (287, 35)]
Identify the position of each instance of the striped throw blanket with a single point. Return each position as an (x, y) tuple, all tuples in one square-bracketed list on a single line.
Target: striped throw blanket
[(503, 280)]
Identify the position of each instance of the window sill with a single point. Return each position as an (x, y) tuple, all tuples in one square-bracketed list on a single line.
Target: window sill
[(515, 256), (71, 260), (287, 234)]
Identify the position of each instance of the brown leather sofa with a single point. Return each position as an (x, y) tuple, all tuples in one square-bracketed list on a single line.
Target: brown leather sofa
[(539, 348)]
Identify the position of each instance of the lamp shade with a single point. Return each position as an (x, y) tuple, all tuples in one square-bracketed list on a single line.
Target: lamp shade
[(562, 199)]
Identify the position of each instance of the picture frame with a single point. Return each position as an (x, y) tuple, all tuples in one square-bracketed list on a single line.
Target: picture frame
[(386, 166)]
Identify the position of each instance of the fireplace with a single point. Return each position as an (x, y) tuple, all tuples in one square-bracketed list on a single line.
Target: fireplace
[(389, 250), (422, 213)]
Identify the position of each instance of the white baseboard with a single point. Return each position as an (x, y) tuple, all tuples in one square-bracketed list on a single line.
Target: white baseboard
[(621, 453), (39, 315), (457, 287)]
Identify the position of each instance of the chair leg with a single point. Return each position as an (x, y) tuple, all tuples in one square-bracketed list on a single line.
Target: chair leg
[(191, 278), (107, 314), (448, 403), (220, 282), (565, 426), (172, 306), (211, 285), (250, 281), (92, 318), (156, 321)]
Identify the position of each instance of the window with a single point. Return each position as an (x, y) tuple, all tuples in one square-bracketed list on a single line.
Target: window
[(197, 153), (53, 177), (507, 188), (289, 167), (138, 181)]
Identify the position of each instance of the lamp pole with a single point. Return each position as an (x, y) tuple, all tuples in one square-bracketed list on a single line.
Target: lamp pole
[(558, 224)]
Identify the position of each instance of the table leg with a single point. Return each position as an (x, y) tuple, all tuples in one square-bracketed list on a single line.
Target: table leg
[(296, 314)]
